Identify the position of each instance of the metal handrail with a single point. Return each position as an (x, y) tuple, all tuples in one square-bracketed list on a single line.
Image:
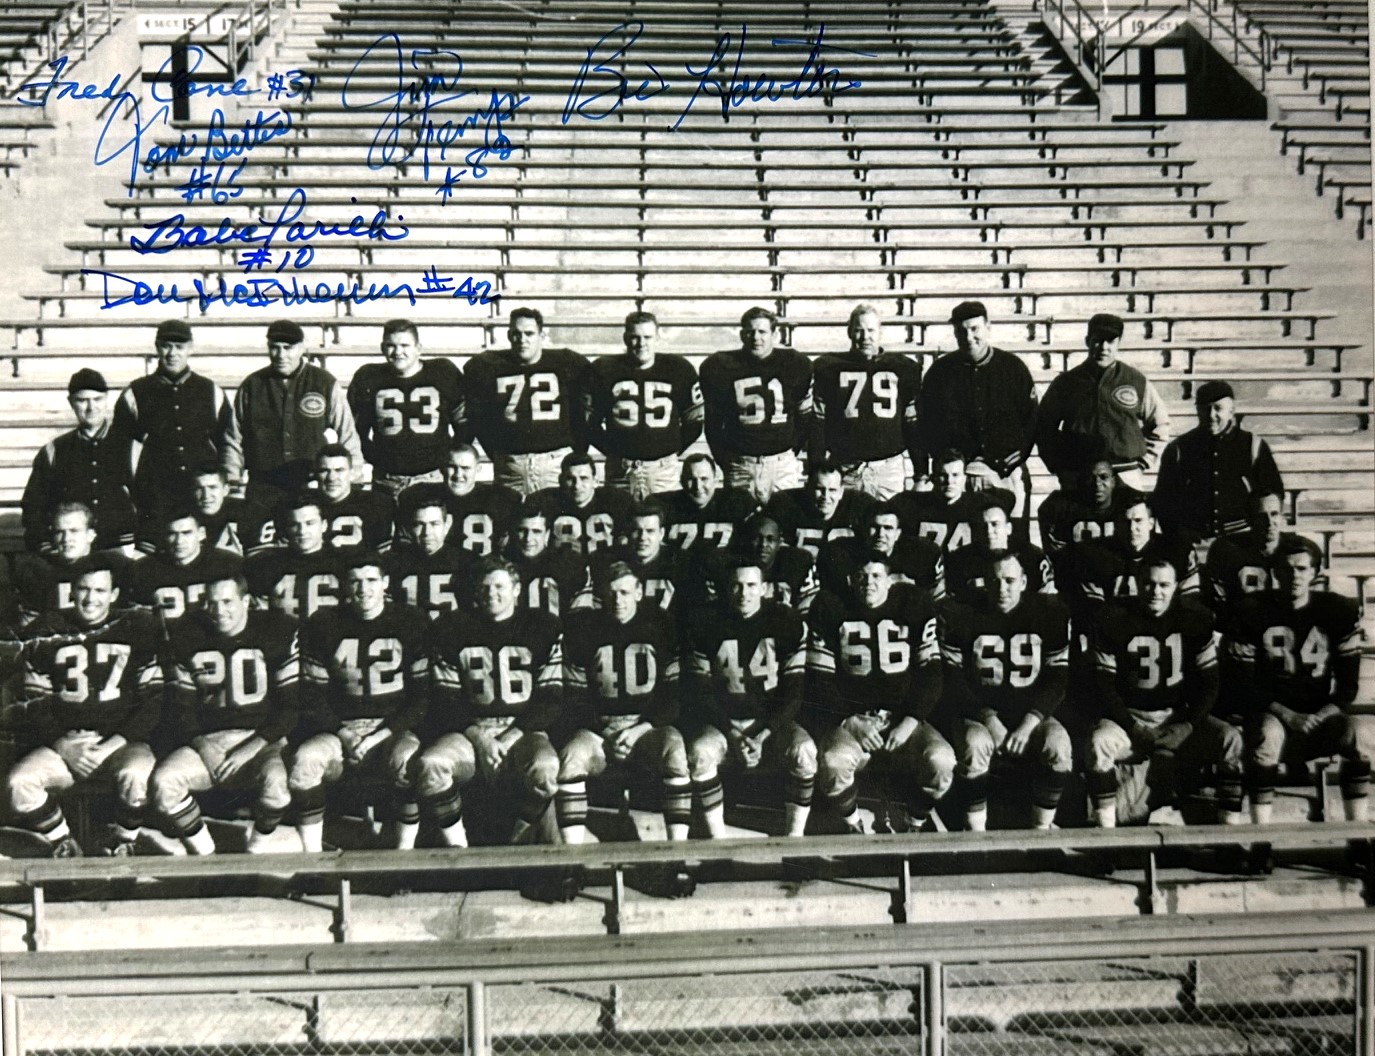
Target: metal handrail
[(1140, 33), (1239, 46)]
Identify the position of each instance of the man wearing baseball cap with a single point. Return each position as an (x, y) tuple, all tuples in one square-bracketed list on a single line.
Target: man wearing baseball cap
[(980, 400), (89, 464), (178, 419), (285, 413), (1106, 402), (1209, 477)]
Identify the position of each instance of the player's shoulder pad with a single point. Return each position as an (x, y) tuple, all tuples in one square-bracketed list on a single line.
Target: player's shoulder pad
[(1194, 616)]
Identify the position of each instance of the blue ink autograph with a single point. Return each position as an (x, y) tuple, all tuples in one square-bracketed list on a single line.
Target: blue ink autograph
[(256, 292), (814, 78), (174, 232), (411, 121)]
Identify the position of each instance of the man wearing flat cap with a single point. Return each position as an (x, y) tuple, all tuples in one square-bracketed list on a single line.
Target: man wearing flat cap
[(981, 401), (176, 417), (285, 413), (1103, 402), (90, 465), (1210, 476)]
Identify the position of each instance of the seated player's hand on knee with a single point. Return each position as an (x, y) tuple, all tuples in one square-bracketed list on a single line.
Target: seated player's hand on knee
[(624, 742), (747, 750), (900, 733), (237, 758), (866, 730), (94, 752), (362, 747), (1016, 741)]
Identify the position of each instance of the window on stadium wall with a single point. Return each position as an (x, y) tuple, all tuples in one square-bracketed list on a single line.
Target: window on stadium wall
[(1179, 75)]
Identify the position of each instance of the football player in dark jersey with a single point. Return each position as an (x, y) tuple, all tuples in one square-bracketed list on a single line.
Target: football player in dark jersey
[(646, 410), (1106, 568), (302, 577), (621, 668), (758, 402), (231, 523), (1242, 565), (912, 560), (94, 688), (406, 409), (482, 512), (1297, 651), (429, 571), (583, 516), (821, 511), (745, 678), (944, 514), (1157, 680), (527, 405), (173, 580), (234, 673), (1006, 671), (1088, 512), (789, 573), (365, 674), (498, 675), (876, 677), (553, 579), (44, 582), (669, 579), (865, 402), (994, 532), (703, 515), (353, 516)]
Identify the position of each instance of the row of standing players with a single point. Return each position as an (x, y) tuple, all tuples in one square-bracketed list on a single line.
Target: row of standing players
[(686, 634), (761, 409)]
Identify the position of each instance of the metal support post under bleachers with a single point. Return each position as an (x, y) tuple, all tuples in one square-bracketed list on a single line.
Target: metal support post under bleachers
[(37, 936), (477, 1019), (9, 1026), (933, 982), (343, 911), (1365, 1025), (898, 909)]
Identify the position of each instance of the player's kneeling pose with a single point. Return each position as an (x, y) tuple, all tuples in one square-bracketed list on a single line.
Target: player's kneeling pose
[(498, 676), (95, 688), (364, 681), (235, 673), (1007, 669), (745, 685), (621, 666), (1298, 654), (877, 677), (1157, 678)]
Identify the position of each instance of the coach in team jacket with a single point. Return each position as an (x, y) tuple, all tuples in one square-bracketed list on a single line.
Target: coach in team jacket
[(1105, 402), (89, 464), (1210, 475), (178, 417), (285, 413), (980, 401)]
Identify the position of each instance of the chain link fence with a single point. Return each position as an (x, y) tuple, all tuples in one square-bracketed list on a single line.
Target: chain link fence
[(1290, 1003)]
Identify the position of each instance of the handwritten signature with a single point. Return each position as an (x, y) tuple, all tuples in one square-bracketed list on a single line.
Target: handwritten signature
[(816, 76), (411, 123), (174, 232), (266, 292)]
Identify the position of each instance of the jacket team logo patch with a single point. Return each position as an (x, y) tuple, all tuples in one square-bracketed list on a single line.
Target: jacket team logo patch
[(312, 405), (1126, 396)]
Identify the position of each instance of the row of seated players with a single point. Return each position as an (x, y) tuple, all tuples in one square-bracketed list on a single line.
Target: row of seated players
[(796, 638)]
